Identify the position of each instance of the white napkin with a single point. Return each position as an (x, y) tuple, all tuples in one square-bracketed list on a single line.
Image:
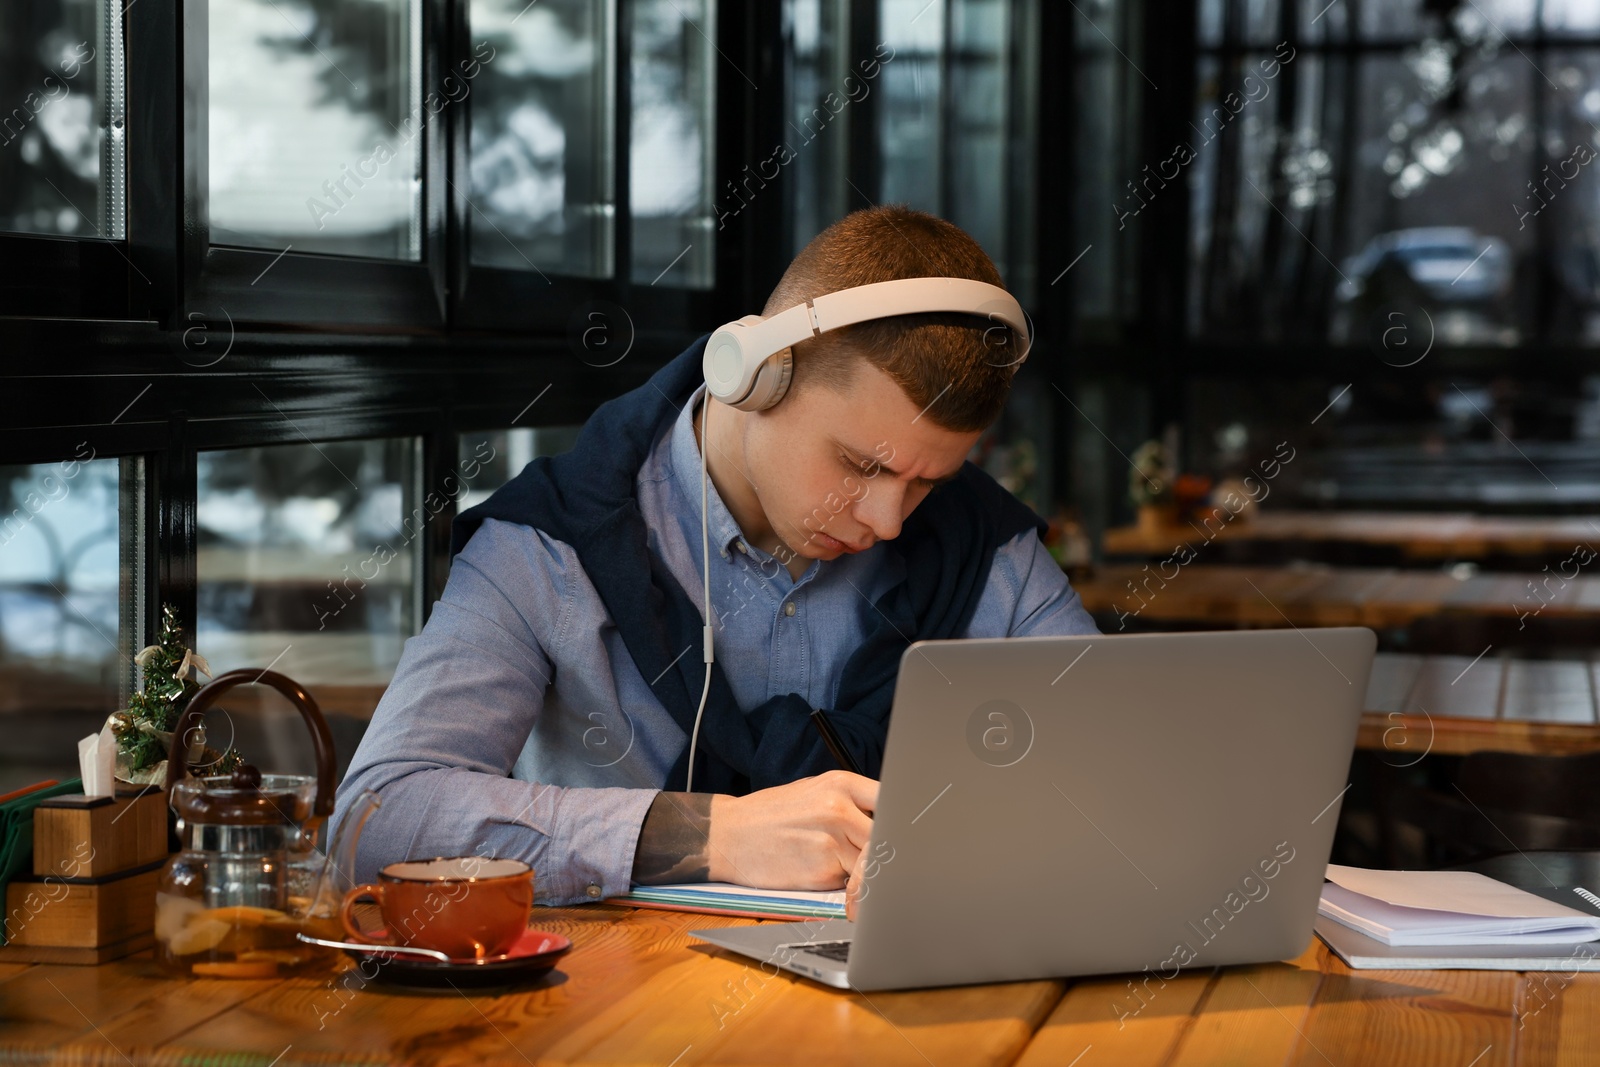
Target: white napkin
[(97, 758)]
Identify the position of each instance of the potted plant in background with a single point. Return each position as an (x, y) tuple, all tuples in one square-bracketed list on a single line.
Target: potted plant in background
[(1150, 487), (144, 728)]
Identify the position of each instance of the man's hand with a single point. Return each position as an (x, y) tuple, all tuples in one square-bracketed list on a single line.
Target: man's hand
[(852, 888), (804, 835)]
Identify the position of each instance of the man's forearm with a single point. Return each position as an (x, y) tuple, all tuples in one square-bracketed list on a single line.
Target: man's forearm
[(675, 840)]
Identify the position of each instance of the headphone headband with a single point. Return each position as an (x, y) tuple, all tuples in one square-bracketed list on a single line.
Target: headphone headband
[(748, 363)]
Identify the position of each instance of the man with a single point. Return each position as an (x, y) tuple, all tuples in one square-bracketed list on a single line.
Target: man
[(544, 711)]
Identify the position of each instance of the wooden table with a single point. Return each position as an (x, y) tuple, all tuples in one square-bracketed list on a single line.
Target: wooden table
[(1317, 595), (1459, 704), (1420, 535), (636, 990)]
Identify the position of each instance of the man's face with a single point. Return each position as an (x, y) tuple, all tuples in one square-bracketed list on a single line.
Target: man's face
[(836, 472)]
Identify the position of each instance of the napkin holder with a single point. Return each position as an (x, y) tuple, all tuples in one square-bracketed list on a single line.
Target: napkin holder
[(91, 895)]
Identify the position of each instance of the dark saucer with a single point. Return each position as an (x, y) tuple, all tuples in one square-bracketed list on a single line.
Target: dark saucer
[(534, 955)]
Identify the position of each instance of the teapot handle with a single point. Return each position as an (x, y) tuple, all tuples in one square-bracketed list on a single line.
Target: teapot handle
[(321, 737)]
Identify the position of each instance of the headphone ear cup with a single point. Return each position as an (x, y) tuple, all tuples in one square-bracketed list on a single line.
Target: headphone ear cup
[(771, 382)]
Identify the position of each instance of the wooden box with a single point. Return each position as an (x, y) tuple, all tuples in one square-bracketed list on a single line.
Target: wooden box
[(78, 837), (61, 914)]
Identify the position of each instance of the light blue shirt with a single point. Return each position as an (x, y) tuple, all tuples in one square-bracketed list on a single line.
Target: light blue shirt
[(517, 724)]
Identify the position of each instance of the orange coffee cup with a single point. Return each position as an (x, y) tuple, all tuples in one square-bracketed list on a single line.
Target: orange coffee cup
[(467, 907)]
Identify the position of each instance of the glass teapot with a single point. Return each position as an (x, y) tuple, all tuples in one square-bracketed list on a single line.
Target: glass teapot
[(249, 878)]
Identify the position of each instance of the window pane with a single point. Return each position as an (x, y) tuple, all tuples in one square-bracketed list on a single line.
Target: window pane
[(672, 141), (1429, 222), (316, 125), (542, 133), (946, 123), (910, 126), (1563, 206), (1480, 20), (308, 564), (816, 145), (1099, 151), (61, 130), (1572, 16), (1386, 190), (490, 458), (63, 666), (981, 161)]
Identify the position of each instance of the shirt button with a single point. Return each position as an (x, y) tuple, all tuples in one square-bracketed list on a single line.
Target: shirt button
[(788, 609), (593, 891)]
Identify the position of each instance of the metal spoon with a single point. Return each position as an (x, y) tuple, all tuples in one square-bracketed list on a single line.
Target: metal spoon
[(373, 949), (368, 947)]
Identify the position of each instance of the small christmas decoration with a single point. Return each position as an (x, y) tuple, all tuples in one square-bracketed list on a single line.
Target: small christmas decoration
[(144, 729)]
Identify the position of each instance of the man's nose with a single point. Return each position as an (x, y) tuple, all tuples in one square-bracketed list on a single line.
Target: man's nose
[(880, 509)]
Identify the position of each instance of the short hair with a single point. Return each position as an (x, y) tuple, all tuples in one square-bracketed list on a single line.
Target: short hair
[(955, 367)]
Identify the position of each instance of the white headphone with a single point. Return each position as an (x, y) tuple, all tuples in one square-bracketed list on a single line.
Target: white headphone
[(748, 365)]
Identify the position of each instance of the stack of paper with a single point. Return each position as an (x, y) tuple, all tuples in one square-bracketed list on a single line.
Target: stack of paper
[(723, 898), (1448, 908)]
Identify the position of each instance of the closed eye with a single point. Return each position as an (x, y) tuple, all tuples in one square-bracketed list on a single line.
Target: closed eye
[(855, 466)]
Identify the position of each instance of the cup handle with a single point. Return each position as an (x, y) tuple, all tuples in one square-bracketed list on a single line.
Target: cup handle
[(370, 891)]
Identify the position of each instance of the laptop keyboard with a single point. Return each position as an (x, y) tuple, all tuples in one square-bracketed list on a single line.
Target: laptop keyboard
[(838, 951)]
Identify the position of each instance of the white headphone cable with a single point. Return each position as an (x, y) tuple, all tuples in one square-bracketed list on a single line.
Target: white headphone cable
[(705, 549)]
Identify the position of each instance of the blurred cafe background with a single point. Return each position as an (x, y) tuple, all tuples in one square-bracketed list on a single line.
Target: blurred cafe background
[(1316, 293)]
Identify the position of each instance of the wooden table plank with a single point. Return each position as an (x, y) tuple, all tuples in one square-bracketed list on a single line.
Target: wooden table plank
[(112, 1010), (1558, 1019), (1368, 596), (741, 1013), (1418, 535), (1416, 1018), (1458, 687), (615, 949), (1129, 1021), (1254, 1015), (1392, 679), (1548, 691)]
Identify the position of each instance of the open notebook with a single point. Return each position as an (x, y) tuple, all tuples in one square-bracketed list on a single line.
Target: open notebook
[(723, 898)]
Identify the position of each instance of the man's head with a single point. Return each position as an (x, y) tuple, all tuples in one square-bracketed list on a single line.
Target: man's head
[(877, 413), (955, 367)]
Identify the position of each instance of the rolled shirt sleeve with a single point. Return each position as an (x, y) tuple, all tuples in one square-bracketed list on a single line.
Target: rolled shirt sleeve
[(444, 740)]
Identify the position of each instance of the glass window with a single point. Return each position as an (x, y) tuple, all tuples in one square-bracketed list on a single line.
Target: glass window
[(543, 187), (64, 581), (948, 119), (62, 140), (490, 458), (814, 149), (672, 141), (1334, 192), (316, 120), (1561, 203), (981, 80), (1571, 17), (1478, 19), (910, 127), (1430, 206), (1100, 152), (308, 563)]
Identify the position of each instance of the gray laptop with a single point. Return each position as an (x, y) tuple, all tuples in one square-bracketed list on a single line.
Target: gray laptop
[(1056, 806)]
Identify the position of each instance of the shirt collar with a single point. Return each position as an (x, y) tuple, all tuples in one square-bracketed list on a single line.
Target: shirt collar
[(685, 459)]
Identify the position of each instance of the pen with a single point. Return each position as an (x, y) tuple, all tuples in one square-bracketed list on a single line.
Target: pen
[(820, 720)]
